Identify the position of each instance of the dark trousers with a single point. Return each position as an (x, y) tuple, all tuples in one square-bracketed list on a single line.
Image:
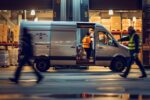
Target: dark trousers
[(88, 52), (22, 63), (131, 61)]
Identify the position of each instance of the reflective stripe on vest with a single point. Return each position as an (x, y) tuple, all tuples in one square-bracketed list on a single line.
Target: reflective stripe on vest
[(131, 44)]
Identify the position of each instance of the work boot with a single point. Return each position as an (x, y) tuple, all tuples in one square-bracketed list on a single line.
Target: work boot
[(14, 80), (143, 76), (39, 79), (124, 76)]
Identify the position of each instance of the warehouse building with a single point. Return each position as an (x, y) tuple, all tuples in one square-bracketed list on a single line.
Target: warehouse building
[(115, 15)]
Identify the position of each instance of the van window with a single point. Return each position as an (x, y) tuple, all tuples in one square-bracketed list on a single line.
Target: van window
[(102, 38)]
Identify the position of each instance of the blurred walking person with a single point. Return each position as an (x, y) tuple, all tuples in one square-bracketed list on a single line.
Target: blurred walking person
[(24, 56), (134, 48)]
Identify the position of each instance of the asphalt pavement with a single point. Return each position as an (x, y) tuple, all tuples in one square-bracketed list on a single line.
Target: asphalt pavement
[(96, 83)]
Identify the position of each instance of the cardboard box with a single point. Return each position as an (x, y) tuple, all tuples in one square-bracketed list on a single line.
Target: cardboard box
[(125, 24), (115, 23), (95, 19), (16, 33), (106, 23)]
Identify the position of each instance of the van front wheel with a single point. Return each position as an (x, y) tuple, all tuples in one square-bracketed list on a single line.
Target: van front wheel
[(118, 64), (42, 65)]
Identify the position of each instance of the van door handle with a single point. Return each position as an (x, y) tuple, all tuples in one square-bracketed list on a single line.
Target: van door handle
[(73, 47)]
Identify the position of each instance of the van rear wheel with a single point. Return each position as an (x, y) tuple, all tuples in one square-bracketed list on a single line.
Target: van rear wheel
[(118, 64), (42, 65)]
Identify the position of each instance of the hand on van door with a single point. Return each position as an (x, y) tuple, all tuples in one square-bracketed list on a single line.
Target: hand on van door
[(73, 46)]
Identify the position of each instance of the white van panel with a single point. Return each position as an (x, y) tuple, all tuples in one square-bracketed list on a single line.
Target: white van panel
[(40, 41), (63, 44), (107, 51), (41, 50)]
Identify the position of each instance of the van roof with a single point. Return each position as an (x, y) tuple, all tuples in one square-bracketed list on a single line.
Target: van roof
[(71, 24), (47, 23)]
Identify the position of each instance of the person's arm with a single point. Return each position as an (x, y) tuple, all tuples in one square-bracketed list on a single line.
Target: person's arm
[(136, 41), (124, 39)]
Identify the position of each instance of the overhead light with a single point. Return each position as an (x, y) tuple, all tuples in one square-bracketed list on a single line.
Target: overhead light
[(134, 19), (32, 12), (110, 12)]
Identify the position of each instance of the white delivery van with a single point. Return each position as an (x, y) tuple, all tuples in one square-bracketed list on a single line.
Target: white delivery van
[(59, 43)]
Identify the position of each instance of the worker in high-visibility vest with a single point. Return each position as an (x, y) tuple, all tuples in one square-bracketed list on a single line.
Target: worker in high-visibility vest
[(86, 43), (134, 46)]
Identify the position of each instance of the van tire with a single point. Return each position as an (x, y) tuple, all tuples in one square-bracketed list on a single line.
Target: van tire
[(118, 64), (42, 65)]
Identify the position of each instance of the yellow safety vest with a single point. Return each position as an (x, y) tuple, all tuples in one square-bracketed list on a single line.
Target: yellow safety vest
[(131, 44)]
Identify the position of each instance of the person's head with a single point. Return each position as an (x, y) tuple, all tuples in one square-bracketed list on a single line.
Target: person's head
[(25, 30), (131, 30), (91, 30)]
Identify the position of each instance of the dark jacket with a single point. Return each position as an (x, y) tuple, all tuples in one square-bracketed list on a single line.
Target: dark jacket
[(26, 48)]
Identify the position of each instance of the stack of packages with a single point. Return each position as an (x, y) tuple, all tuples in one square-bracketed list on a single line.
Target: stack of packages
[(3, 33), (125, 24), (13, 56), (115, 23), (13, 51), (106, 23), (4, 56), (8, 54), (138, 25), (95, 19)]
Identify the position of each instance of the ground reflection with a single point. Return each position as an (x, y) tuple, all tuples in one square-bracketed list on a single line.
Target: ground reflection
[(82, 96), (108, 96)]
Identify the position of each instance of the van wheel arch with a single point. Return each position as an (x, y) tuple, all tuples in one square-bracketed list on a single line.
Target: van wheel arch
[(118, 64), (42, 63)]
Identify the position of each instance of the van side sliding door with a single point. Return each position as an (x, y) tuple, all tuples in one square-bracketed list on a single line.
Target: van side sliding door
[(63, 50)]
